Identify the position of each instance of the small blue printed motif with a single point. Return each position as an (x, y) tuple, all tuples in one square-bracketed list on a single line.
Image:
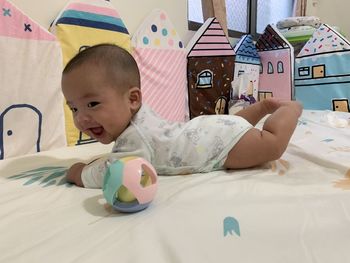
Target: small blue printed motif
[(45, 176), (164, 32), (327, 140), (231, 225), (145, 40), (154, 28), (6, 12)]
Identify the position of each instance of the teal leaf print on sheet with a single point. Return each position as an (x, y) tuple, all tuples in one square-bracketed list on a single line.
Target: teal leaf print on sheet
[(231, 225), (327, 140), (44, 176)]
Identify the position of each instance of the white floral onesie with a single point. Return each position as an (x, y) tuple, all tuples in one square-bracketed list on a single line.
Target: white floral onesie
[(199, 145)]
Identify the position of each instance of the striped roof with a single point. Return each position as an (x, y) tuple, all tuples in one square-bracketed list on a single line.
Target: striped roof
[(210, 40), (271, 39), (87, 15), (246, 51)]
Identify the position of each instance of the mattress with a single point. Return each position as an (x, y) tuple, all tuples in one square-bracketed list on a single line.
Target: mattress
[(295, 209)]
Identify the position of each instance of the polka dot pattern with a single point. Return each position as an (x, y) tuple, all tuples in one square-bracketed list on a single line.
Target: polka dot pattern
[(158, 32)]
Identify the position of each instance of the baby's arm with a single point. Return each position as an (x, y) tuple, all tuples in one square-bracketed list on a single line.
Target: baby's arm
[(74, 174), (87, 175), (259, 146)]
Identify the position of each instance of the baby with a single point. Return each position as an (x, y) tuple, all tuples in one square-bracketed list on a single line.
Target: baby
[(102, 88)]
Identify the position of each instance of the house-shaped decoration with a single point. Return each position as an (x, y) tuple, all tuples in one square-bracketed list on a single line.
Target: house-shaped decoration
[(31, 101), (81, 24), (247, 62), (210, 68), (322, 72), (161, 58), (277, 65)]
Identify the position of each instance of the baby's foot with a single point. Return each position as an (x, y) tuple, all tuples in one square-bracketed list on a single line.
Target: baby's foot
[(295, 106), (270, 105)]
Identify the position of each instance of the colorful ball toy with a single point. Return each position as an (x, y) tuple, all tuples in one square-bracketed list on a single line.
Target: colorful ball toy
[(130, 184)]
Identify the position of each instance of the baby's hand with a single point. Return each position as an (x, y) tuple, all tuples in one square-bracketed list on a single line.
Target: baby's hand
[(74, 174)]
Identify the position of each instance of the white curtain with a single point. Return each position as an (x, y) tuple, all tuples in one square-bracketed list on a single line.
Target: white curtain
[(299, 7)]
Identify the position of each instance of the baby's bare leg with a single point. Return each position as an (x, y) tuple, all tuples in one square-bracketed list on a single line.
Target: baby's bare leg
[(255, 112), (257, 147)]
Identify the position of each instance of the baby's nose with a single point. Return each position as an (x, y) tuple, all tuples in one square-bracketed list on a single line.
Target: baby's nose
[(83, 117)]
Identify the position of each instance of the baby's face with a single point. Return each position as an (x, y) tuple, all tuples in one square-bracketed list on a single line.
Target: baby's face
[(99, 110)]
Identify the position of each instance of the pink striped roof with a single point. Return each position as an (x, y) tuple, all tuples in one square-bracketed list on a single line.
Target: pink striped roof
[(210, 40)]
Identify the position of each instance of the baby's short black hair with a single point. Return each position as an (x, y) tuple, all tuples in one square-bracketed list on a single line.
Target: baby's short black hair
[(117, 62)]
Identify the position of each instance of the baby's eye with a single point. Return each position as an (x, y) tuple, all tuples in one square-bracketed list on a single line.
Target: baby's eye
[(73, 109), (93, 104)]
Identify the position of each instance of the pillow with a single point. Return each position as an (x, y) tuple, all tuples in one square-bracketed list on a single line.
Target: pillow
[(161, 58), (82, 24), (31, 113), (210, 68), (322, 71)]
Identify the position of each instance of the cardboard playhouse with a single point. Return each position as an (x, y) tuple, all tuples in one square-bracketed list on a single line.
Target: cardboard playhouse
[(84, 23), (210, 69), (322, 72), (277, 65), (161, 58), (31, 106)]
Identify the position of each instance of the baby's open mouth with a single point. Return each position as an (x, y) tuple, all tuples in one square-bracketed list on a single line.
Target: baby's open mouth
[(97, 131)]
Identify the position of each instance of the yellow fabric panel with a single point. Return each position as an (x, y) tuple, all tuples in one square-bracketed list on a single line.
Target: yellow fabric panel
[(72, 38)]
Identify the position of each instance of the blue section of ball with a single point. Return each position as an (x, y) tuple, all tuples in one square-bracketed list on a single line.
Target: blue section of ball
[(131, 207)]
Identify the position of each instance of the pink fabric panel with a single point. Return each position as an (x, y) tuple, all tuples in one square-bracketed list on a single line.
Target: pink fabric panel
[(13, 23), (163, 81)]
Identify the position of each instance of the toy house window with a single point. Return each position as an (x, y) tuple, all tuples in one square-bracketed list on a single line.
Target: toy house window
[(280, 67), (242, 16), (240, 72), (304, 71), (261, 68), (269, 68), (205, 80)]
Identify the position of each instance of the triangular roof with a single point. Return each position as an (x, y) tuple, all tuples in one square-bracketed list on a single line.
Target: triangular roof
[(14, 23), (246, 51), (157, 31), (93, 14), (271, 39), (210, 40), (324, 40)]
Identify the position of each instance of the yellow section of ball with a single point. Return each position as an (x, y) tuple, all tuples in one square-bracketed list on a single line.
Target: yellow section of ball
[(124, 195)]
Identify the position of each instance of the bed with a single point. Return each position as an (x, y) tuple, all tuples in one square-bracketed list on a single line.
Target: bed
[(296, 209)]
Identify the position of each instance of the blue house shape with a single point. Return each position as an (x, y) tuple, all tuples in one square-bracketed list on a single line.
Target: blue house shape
[(322, 72)]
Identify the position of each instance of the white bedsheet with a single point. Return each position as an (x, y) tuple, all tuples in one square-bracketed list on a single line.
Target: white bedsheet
[(296, 209)]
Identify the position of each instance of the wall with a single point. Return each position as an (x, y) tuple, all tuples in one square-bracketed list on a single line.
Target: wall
[(333, 13), (132, 12)]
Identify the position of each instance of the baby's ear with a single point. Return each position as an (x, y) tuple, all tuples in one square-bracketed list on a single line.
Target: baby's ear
[(135, 98)]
